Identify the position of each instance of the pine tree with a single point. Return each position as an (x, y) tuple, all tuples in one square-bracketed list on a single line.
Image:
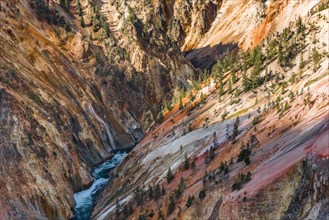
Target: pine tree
[(118, 208), (281, 57), (157, 192), (233, 77), (256, 70), (301, 62), (181, 185), (132, 15), (235, 129), (207, 157), (163, 190), (82, 22), (151, 193), (80, 12), (205, 177), (170, 175), (300, 25), (172, 205), (232, 59), (65, 4), (190, 201), (180, 103), (160, 117), (244, 155), (223, 167), (202, 98), (229, 89), (127, 211), (139, 196), (186, 163), (96, 23), (316, 56), (246, 83), (212, 153), (202, 194), (193, 165)]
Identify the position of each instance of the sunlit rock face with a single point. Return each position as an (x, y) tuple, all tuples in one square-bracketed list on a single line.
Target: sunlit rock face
[(205, 30), (80, 80), (71, 94), (288, 177)]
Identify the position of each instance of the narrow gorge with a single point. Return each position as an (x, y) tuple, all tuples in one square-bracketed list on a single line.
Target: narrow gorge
[(84, 200)]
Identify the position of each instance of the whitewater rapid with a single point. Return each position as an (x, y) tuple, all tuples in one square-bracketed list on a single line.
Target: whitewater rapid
[(85, 199)]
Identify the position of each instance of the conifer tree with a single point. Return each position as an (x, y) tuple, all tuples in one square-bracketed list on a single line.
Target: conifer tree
[(151, 193), (139, 196), (316, 56), (190, 201), (181, 185), (256, 70), (202, 98), (301, 62), (235, 129), (193, 165), (233, 77), (170, 175), (118, 208), (221, 89), (202, 194), (82, 22), (163, 190), (186, 163), (300, 25), (157, 192), (229, 89), (172, 204), (180, 103)]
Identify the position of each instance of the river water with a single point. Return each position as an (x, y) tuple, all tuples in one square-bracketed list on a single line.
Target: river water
[(85, 199)]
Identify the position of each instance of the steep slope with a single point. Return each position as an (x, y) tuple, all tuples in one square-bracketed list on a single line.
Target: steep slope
[(77, 83), (271, 164), (82, 79), (205, 30)]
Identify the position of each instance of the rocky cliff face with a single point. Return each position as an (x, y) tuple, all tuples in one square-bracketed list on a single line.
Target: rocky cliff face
[(78, 80), (237, 151), (81, 79), (205, 30)]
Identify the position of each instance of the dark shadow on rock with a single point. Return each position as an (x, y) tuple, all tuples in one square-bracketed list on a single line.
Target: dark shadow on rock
[(205, 57)]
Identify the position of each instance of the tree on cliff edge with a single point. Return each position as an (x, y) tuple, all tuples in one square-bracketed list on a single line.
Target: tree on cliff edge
[(170, 175)]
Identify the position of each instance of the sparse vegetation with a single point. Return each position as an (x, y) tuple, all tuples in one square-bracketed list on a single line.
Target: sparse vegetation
[(244, 155), (210, 154), (139, 196), (242, 179), (189, 201)]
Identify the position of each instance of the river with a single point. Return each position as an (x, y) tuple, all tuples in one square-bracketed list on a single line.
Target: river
[(85, 199)]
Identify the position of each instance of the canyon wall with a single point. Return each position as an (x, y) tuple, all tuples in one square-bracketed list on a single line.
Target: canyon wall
[(282, 126), (78, 80), (82, 79)]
